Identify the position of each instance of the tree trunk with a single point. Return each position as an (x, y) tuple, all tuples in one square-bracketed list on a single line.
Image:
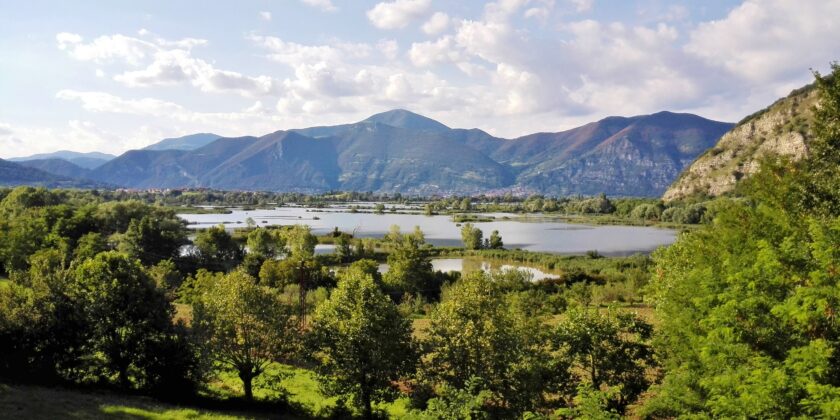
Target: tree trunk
[(367, 412), (247, 378), (124, 382), (122, 370)]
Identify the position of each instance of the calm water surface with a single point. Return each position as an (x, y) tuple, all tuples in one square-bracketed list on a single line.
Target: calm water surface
[(469, 265), (532, 233)]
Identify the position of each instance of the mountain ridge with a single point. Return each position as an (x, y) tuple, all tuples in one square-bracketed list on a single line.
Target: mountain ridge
[(401, 151), (782, 129), (87, 160)]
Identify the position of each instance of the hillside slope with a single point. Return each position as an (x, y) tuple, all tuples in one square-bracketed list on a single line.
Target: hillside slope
[(638, 156), (190, 142), (58, 167), (88, 160), (783, 128), (14, 174), (399, 151)]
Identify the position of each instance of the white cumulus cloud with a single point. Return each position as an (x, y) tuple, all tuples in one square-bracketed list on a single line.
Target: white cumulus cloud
[(398, 13), (436, 24), (324, 5)]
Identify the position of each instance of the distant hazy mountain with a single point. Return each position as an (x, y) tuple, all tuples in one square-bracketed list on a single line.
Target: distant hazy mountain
[(85, 160), (190, 142), (13, 174), (399, 151), (58, 167)]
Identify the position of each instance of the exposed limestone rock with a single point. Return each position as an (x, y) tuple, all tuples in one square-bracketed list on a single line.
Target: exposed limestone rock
[(783, 129)]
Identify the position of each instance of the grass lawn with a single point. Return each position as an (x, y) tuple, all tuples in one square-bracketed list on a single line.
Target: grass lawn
[(301, 386), (34, 402)]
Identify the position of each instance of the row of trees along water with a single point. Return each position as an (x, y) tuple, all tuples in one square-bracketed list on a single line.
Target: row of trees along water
[(745, 309), (599, 208)]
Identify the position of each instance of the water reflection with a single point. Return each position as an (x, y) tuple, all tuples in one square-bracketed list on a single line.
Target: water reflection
[(470, 265), (533, 233)]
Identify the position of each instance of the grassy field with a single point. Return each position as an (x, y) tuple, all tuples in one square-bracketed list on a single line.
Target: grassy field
[(34, 402), (300, 387)]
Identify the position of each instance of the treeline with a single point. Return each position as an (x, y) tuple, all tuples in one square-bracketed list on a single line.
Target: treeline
[(93, 286), (695, 210)]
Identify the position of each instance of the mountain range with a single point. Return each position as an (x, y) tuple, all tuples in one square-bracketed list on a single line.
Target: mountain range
[(85, 160), (14, 174), (400, 151)]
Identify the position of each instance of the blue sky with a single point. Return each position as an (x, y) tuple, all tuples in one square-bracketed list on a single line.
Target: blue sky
[(115, 75)]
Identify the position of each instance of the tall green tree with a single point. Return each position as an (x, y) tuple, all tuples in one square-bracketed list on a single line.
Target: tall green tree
[(475, 333), (125, 311), (153, 238), (245, 326), (472, 236), (217, 250), (42, 328), (410, 269), (495, 241), (300, 242), (610, 350), (361, 343), (265, 243)]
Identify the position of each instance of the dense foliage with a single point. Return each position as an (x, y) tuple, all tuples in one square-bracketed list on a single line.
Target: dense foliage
[(748, 305)]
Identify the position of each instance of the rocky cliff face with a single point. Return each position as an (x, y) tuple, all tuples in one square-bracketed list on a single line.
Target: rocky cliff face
[(782, 129)]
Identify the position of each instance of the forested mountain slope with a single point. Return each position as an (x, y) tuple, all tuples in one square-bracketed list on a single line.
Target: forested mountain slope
[(399, 151)]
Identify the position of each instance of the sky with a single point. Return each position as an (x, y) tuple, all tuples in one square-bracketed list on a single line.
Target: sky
[(116, 75)]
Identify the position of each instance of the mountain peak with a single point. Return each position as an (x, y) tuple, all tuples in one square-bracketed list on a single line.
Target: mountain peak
[(406, 119)]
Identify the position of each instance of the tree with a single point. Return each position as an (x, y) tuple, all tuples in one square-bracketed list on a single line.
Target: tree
[(89, 245), (217, 250), (475, 333), (265, 243), (42, 328), (379, 208), (495, 241), (466, 204), (410, 268), (300, 241), (245, 326), (611, 350), (125, 311), (471, 236), (343, 243), (153, 238), (361, 343)]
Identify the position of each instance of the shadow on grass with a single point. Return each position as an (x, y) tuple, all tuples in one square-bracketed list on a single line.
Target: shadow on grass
[(37, 402)]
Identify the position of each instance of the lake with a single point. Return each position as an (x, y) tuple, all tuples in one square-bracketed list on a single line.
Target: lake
[(532, 233), (469, 265)]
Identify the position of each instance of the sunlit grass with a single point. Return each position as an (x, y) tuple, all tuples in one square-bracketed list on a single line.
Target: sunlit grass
[(300, 386), (34, 402)]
